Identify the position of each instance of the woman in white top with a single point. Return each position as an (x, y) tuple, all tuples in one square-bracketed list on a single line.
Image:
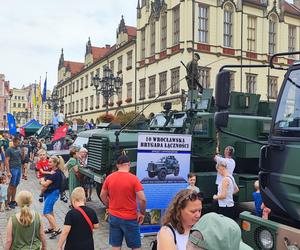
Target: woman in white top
[(226, 189), (183, 212)]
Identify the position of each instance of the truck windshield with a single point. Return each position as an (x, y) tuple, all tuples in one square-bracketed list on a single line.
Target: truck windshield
[(287, 122), (158, 121), (177, 120)]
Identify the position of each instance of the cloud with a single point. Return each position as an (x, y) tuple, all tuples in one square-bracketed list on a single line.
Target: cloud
[(34, 31)]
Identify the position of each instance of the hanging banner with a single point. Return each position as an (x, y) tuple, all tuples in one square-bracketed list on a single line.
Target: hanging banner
[(163, 163)]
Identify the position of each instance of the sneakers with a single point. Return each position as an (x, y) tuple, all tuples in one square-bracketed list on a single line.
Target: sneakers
[(64, 198), (49, 231), (12, 204), (55, 233), (41, 198)]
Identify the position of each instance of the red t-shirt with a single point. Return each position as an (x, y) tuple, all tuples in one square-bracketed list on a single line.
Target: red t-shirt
[(122, 188), (42, 165)]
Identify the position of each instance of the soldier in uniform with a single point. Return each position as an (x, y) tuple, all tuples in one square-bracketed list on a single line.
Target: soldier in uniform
[(193, 74)]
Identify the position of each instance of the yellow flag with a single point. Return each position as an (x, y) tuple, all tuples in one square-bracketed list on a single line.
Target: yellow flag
[(34, 95), (39, 95)]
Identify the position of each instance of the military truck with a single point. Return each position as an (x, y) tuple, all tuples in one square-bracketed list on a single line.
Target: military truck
[(279, 174), (165, 166), (248, 115)]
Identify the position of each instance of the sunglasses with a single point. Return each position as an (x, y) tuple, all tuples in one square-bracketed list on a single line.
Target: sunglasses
[(194, 196)]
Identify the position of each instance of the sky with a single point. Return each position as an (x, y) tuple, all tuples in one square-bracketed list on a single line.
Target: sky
[(32, 33)]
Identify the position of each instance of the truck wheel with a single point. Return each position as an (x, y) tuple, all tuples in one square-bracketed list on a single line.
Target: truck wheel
[(162, 174), (151, 175), (176, 172)]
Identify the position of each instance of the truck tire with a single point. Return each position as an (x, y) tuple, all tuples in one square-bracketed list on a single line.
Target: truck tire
[(176, 171), (162, 174), (151, 175)]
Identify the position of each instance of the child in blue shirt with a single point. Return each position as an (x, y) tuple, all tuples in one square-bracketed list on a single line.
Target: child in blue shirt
[(257, 199)]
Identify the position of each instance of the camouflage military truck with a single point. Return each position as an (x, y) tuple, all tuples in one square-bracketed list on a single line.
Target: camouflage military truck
[(279, 174), (165, 166)]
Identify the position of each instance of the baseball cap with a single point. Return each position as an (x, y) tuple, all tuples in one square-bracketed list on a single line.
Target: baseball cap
[(123, 159), (219, 232)]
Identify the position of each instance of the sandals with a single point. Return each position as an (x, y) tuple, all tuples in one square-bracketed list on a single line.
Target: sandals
[(55, 233), (49, 231)]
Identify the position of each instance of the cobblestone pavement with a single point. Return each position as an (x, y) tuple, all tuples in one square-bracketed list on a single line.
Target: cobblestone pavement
[(60, 209)]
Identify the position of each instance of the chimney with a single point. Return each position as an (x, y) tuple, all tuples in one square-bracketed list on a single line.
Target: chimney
[(107, 46), (297, 3)]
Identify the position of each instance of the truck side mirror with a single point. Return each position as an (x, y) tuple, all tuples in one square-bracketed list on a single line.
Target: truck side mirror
[(221, 119), (222, 89)]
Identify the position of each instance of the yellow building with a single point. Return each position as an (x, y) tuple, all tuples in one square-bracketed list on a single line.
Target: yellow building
[(168, 31), (19, 106)]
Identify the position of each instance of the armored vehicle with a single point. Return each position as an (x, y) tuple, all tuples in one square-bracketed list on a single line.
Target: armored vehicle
[(165, 166), (279, 174)]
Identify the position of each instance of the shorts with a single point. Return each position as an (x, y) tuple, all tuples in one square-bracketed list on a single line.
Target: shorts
[(119, 228), (87, 182), (3, 198), (15, 176), (50, 199)]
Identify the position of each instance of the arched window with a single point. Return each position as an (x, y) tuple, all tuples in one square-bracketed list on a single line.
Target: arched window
[(228, 25), (163, 31), (272, 34)]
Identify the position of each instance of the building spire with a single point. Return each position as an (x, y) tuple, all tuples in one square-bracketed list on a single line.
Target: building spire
[(61, 59), (88, 47), (138, 10)]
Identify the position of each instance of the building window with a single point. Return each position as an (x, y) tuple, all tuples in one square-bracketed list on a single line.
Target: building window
[(92, 76), (112, 66), (119, 94), (251, 40), (152, 86), (98, 72), (152, 37), (86, 81), (143, 43), (272, 35), (66, 91), (204, 78), (129, 59), (77, 85), (14, 105), (77, 106), (91, 102), (251, 83), (292, 39), (86, 103), (24, 105), (73, 87), (273, 87), (176, 25), (142, 89), (175, 86), (228, 23), (81, 83), (163, 31), (129, 89), (163, 83), (97, 101), (120, 59), (203, 24)]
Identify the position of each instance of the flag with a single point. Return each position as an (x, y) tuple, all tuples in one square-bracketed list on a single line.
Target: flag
[(39, 95), (29, 99), (44, 97), (11, 124), (34, 95), (22, 132), (60, 132)]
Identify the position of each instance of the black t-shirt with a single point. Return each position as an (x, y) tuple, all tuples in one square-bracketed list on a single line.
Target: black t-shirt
[(56, 179), (80, 236)]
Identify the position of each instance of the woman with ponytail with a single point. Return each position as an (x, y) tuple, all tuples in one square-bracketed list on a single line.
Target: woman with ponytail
[(52, 184), (25, 228)]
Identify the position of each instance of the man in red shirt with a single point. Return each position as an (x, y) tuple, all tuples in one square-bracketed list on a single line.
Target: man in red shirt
[(120, 193)]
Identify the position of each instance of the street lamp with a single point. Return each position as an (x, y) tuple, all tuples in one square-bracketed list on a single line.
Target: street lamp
[(55, 101), (20, 115), (10, 94), (108, 85)]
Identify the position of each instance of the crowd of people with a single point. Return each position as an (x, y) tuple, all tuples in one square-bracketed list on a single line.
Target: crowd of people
[(122, 193)]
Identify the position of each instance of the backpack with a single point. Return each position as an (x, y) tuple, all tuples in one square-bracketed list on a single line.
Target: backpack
[(153, 243), (63, 183)]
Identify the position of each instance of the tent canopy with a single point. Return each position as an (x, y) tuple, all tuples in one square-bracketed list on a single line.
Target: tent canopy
[(31, 127)]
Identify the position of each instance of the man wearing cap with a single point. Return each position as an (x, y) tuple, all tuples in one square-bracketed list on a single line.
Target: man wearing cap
[(120, 192), (216, 232), (193, 74)]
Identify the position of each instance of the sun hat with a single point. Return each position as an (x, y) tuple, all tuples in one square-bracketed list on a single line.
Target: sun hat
[(218, 233)]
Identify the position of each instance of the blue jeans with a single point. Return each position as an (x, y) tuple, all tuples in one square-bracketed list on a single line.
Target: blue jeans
[(119, 228), (15, 176)]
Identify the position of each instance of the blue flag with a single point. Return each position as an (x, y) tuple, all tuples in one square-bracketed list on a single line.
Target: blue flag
[(44, 97), (11, 124)]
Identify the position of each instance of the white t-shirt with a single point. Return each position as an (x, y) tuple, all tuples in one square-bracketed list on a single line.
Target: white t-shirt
[(230, 167), (61, 117)]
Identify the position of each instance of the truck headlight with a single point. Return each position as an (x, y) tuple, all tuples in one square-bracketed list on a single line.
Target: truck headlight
[(265, 239)]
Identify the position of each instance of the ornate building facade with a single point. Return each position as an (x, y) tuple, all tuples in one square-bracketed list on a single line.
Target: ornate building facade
[(167, 33)]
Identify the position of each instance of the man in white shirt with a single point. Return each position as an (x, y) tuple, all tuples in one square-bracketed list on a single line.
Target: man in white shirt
[(228, 153), (61, 118)]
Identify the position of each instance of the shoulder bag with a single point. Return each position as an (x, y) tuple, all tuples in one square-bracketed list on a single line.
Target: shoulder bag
[(86, 217)]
